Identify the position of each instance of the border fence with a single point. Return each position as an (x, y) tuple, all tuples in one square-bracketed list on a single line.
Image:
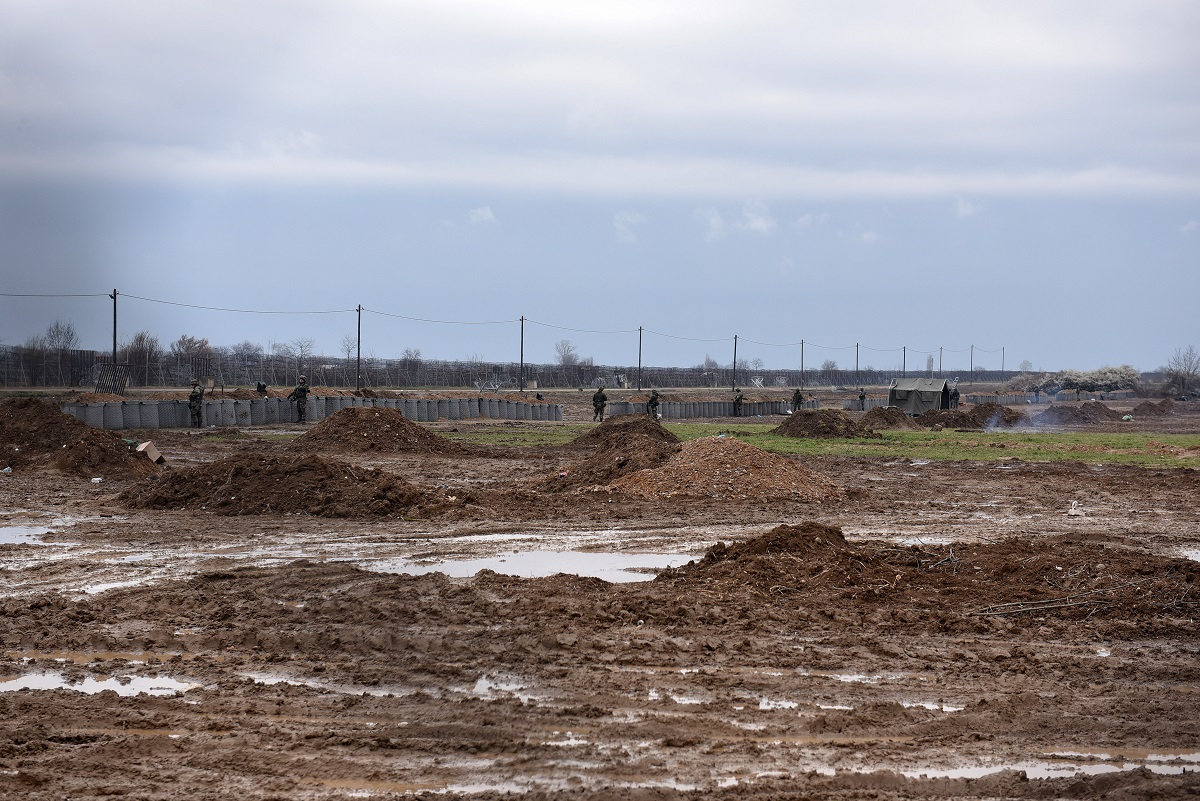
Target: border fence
[(22, 366)]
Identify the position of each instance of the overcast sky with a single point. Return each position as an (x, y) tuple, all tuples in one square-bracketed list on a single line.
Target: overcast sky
[(1021, 176)]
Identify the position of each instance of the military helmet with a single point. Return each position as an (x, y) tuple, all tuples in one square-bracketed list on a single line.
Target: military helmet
[(303, 378), (195, 382)]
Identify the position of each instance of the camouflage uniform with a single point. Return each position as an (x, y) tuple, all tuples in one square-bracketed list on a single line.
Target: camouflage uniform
[(797, 400), (196, 404), (599, 401), (737, 404), (300, 396), (862, 400), (652, 404)]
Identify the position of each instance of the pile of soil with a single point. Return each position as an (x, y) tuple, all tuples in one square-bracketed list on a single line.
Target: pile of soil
[(994, 415), (727, 468), (888, 417), (946, 587), (1097, 412), (36, 433), (1152, 409), (367, 429), (619, 455), (1088, 413), (624, 425), (822, 424), (247, 484)]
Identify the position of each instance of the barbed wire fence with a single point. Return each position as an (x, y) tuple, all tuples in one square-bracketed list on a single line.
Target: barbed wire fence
[(32, 365)]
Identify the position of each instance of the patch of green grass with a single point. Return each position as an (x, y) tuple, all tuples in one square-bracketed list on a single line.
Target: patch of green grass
[(515, 435), (1149, 450)]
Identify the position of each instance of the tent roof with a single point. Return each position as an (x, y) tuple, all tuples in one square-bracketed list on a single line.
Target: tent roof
[(920, 384)]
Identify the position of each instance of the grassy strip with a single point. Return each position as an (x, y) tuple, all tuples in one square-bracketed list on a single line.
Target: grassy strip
[(1148, 450), (1144, 449)]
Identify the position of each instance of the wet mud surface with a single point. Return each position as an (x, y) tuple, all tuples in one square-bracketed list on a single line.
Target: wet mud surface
[(869, 628)]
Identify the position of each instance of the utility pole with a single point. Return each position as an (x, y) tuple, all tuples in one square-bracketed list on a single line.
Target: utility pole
[(903, 360), (735, 362), (639, 358), (941, 372), (114, 298), (358, 359), (802, 364), (857, 380), (972, 360), (521, 379), (1001, 358)]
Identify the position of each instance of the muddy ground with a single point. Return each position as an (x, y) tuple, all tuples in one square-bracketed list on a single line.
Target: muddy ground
[(824, 628)]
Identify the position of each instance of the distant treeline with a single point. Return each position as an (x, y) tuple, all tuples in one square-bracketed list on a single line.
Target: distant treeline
[(22, 366)]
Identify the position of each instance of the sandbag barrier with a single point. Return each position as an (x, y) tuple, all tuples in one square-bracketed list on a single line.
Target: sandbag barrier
[(117, 415)]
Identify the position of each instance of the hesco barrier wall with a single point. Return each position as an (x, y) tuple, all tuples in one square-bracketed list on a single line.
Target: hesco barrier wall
[(672, 410), (116, 415)]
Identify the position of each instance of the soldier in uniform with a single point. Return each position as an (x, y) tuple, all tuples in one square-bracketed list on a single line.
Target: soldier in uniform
[(196, 404), (797, 400), (300, 396), (862, 399), (652, 404), (737, 404), (599, 401)]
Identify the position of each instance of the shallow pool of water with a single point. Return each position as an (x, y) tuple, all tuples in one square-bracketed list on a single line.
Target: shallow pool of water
[(125, 685), (613, 567)]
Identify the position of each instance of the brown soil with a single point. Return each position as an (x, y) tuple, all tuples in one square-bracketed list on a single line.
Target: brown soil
[(727, 468), (97, 397), (620, 426), (274, 485), (887, 418), (961, 631), (35, 434), (620, 452), (371, 430), (821, 424)]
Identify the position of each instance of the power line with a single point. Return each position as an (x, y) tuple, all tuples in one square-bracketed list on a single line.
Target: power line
[(579, 330), (41, 295), (688, 339), (443, 322), (236, 311)]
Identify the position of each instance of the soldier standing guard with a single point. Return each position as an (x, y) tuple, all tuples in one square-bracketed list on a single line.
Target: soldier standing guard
[(300, 396), (196, 404), (599, 401), (737, 404), (797, 400), (652, 404)]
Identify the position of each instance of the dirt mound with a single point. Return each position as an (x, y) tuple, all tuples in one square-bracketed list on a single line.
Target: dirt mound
[(948, 418), (365, 428), (993, 415), (725, 467), (822, 424), (1152, 409), (1088, 413), (888, 417), (620, 455), (1097, 412), (35, 433), (624, 425), (247, 484)]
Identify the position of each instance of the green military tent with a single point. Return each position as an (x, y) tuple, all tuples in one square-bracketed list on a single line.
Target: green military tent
[(919, 395)]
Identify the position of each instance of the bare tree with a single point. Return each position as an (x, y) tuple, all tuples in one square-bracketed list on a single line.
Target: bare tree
[(1183, 368), (140, 352), (1026, 366), (412, 355), (62, 336), (566, 353), (187, 347), (303, 348), (829, 365)]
